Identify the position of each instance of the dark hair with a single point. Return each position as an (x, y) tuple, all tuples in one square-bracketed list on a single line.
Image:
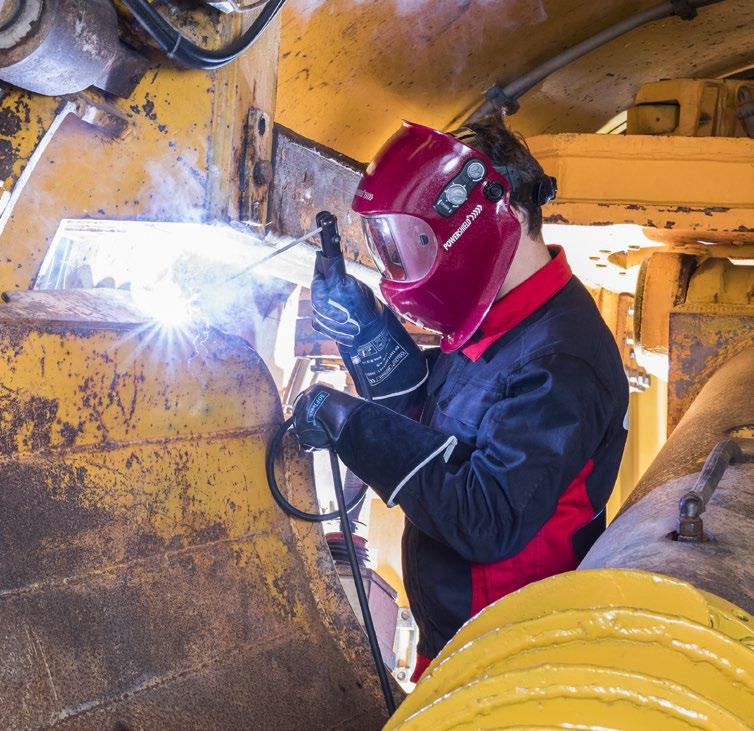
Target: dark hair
[(504, 147)]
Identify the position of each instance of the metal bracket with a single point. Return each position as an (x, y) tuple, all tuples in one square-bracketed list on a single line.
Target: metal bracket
[(683, 9), (694, 503)]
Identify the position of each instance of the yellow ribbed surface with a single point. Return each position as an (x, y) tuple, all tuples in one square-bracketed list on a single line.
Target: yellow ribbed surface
[(602, 649)]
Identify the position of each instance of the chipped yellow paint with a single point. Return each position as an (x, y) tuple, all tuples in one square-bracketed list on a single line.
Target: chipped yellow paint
[(598, 648), (141, 541)]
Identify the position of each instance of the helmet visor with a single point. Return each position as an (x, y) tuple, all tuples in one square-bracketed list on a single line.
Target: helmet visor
[(403, 247)]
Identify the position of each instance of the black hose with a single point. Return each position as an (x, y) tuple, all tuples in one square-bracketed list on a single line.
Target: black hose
[(187, 53), (505, 96), (342, 513), (272, 453), (359, 584)]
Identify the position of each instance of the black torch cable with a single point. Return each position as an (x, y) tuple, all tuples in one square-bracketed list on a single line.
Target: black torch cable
[(342, 513), (358, 581), (280, 499)]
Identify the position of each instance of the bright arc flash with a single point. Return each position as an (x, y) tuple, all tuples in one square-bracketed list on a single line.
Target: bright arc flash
[(164, 303)]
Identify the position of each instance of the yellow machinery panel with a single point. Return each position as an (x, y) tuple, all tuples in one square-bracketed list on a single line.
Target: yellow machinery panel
[(148, 578), (593, 649)]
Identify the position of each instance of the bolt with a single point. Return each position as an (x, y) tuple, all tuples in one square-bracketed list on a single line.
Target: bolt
[(405, 614), (262, 172)]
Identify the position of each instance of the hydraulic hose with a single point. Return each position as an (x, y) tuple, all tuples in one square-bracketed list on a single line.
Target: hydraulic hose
[(505, 96), (186, 52), (342, 513)]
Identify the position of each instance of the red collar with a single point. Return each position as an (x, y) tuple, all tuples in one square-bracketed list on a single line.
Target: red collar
[(521, 302)]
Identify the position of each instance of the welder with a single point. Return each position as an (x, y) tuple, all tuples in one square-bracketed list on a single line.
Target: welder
[(501, 446)]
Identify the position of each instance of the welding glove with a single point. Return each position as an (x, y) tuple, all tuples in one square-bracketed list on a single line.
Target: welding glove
[(385, 449), (380, 355), (343, 306)]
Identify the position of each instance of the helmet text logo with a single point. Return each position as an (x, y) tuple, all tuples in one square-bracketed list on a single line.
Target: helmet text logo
[(470, 218), (365, 194)]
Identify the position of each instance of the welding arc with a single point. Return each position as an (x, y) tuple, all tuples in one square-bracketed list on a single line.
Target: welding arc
[(272, 255), (188, 53)]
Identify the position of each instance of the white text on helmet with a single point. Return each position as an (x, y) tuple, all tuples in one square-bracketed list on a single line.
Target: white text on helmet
[(365, 194), (470, 218)]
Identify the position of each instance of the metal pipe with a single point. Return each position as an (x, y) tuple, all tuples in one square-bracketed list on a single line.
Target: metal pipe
[(505, 97), (693, 463)]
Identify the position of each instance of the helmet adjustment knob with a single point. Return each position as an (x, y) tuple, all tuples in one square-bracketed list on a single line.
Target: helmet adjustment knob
[(494, 191)]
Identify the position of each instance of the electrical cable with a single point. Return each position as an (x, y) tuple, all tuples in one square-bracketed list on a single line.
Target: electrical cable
[(280, 499), (186, 52), (342, 513), (505, 96)]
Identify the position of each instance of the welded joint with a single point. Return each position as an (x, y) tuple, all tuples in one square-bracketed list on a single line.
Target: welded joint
[(694, 502)]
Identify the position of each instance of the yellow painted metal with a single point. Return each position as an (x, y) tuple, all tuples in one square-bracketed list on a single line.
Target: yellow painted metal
[(688, 107), (593, 649), (685, 186), (351, 70), (175, 156), (147, 578)]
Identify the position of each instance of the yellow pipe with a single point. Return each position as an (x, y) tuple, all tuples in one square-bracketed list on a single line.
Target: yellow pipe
[(594, 649)]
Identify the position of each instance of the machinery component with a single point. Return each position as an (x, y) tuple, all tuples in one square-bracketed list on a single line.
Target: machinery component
[(593, 649), (694, 502), (690, 107), (505, 96), (745, 110), (642, 536), (382, 606), (147, 578), (57, 47), (184, 51)]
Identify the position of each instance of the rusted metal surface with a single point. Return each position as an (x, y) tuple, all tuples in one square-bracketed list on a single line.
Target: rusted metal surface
[(723, 406), (66, 46), (663, 279), (310, 178), (147, 579), (702, 338)]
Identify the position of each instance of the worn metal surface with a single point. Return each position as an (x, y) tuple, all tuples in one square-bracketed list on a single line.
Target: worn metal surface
[(703, 337), (640, 537), (689, 107), (679, 185), (147, 579), (178, 160), (65, 46), (351, 70), (593, 650), (310, 178)]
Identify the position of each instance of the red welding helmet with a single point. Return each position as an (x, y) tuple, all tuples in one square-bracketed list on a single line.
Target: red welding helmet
[(437, 219)]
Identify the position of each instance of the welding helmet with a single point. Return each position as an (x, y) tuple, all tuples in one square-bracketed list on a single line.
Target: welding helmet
[(437, 219)]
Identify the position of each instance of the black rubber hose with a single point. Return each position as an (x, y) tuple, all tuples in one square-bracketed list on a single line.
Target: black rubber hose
[(272, 453), (505, 96), (342, 513), (359, 584), (186, 52)]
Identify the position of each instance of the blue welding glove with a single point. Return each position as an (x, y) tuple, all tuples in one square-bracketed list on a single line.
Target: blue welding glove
[(343, 306), (380, 355)]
